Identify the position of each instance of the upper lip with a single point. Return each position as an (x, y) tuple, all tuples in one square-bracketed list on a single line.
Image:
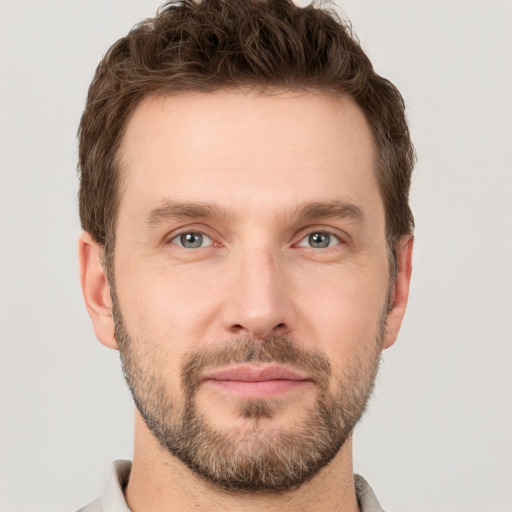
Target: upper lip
[(250, 373)]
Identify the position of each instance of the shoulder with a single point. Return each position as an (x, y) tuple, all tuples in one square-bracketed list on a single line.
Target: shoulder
[(365, 496), (112, 499), (95, 506)]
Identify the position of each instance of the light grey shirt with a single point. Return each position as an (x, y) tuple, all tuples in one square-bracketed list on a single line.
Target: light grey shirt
[(113, 500)]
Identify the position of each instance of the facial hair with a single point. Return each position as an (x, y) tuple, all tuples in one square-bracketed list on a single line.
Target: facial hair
[(253, 459)]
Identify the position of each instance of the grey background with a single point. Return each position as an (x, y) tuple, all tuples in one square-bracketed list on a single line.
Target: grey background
[(438, 436)]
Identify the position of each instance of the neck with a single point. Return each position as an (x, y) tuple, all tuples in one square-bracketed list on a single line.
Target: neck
[(159, 481)]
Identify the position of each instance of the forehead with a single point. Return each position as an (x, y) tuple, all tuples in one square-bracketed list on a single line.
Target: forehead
[(247, 150)]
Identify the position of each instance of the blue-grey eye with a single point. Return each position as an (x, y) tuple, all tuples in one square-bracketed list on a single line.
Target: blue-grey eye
[(319, 240), (192, 240)]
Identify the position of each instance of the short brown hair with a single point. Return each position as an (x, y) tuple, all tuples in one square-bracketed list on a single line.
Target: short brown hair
[(202, 46)]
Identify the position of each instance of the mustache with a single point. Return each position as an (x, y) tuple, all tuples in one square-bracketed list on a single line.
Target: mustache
[(283, 350)]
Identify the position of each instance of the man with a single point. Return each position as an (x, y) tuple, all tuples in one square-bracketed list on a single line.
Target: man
[(247, 248)]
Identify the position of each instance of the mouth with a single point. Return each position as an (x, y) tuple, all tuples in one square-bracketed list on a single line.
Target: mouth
[(256, 382)]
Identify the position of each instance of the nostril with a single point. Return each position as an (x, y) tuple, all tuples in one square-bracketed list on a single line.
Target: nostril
[(280, 329)]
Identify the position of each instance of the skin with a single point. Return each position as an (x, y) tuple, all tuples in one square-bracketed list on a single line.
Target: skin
[(257, 159)]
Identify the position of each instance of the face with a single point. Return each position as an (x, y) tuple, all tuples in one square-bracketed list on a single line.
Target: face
[(251, 280)]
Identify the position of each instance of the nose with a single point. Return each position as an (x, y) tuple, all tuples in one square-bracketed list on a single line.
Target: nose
[(259, 299)]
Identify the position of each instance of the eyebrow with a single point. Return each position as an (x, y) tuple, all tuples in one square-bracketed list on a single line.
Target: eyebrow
[(173, 210), (336, 209)]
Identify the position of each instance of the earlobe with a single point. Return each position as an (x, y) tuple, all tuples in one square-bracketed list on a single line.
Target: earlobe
[(96, 289), (401, 290)]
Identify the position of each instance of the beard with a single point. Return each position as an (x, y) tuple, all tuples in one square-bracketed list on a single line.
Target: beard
[(257, 458)]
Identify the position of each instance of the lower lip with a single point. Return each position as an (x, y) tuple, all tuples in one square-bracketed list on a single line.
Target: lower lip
[(258, 389)]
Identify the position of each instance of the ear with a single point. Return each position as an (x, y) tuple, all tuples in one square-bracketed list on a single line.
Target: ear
[(401, 290), (96, 289)]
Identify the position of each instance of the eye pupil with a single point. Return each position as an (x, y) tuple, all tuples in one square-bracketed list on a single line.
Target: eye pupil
[(319, 240), (191, 240)]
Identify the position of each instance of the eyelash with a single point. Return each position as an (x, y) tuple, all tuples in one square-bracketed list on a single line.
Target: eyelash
[(190, 232), (313, 233), (330, 235)]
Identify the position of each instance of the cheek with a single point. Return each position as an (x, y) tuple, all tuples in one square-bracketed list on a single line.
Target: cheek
[(345, 312), (347, 326), (168, 306)]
